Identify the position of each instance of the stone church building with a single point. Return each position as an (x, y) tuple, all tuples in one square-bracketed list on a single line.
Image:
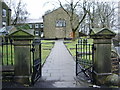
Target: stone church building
[(57, 24)]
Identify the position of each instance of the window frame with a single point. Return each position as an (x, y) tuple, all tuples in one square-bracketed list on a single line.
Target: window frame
[(41, 26), (4, 12), (37, 33), (36, 25), (60, 23), (4, 24), (31, 26)]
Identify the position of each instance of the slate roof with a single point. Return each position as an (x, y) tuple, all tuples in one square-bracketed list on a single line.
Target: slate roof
[(6, 30), (32, 21)]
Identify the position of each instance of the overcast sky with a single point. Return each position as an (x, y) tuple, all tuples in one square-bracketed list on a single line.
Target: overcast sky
[(37, 8)]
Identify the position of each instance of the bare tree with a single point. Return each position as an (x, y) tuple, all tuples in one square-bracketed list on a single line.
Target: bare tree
[(19, 11), (92, 14), (102, 14), (71, 8), (48, 11)]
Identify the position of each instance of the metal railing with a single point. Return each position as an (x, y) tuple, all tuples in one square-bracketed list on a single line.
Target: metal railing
[(7, 52)]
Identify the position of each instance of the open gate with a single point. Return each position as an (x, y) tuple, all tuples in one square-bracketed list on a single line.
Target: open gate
[(84, 59), (36, 57)]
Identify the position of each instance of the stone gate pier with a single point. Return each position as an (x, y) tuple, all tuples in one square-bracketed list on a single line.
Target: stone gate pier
[(102, 54), (22, 56)]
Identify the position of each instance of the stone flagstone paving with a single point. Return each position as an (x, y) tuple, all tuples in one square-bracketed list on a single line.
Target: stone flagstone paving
[(59, 69), (57, 72)]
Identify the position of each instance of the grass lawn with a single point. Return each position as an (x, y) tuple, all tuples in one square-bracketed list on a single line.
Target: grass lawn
[(46, 47), (71, 45), (8, 56)]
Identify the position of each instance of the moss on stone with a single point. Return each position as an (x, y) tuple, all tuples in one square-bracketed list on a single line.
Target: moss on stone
[(113, 80)]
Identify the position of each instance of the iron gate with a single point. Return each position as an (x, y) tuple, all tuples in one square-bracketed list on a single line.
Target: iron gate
[(7, 58), (36, 55), (84, 58)]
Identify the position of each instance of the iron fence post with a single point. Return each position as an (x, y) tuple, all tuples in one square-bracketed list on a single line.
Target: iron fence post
[(76, 60), (40, 51), (11, 52), (2, 51)]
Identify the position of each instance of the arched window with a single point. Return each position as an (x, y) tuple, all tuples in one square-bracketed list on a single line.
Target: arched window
[(60, 23)]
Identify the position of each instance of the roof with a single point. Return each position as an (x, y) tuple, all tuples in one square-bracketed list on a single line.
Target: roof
[(56, 10), (4, 4), (7, 28), (32, 21), (51, 11)]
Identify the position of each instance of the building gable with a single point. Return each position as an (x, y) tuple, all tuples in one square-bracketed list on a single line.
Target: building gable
[(57, 24)]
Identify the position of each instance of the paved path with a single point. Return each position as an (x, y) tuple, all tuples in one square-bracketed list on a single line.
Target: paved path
[(59, 69)]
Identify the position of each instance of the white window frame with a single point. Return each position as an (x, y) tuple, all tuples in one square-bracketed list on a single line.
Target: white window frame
[(36, 25), (37, 33), (4, 13), (41, 25), (4, 24)]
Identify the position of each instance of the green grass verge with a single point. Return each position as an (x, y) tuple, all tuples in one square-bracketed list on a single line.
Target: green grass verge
[(47, 45), (71, 45), (8, 56)]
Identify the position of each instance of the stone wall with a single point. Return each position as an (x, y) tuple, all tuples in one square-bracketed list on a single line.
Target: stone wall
[(6, 19), (0, 14), (50, 29)]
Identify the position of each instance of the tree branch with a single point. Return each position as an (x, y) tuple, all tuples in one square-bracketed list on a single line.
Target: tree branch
[(67, 2), (63, 8), (76, 3), (81, 19)]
